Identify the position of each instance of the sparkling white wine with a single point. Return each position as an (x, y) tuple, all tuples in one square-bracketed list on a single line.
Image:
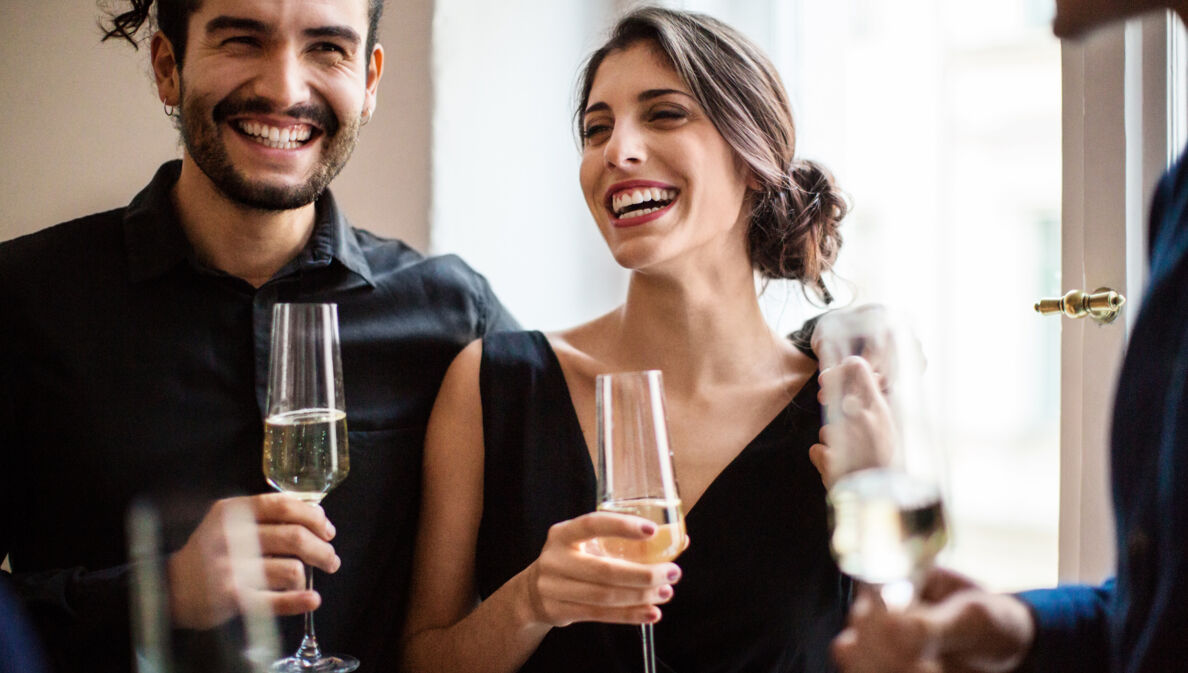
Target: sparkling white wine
[(305, 452), (886, 525), (665, 545)]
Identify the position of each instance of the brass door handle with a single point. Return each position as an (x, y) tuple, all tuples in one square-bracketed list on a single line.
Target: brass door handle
[(1102, 306)]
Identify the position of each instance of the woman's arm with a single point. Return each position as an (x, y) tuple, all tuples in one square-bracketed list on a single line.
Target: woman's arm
[(448, 629)]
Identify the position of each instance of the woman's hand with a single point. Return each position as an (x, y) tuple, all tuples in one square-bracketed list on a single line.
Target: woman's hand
[(571, 581), (860, 428)]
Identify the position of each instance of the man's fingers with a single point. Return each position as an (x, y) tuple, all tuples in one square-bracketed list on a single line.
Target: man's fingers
[(941, 583), (284, 574), (285, 603), (295, 540), (281, 508), (819, 457)]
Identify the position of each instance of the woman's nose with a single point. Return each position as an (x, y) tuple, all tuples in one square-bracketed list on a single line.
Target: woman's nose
[(625, 146)]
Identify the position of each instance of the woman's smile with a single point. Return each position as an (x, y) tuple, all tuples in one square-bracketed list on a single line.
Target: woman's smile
[(636, 202)]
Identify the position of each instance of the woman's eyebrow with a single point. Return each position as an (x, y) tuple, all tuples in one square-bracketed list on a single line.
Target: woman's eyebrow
[(643, 96)]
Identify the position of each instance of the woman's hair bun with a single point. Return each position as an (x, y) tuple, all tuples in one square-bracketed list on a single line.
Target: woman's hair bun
[(795, 229)]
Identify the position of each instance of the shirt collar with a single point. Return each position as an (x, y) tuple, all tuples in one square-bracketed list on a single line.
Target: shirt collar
[(333, 238), (155, 242), (153, 237)]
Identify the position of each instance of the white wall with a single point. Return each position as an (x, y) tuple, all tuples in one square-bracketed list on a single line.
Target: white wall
[(83, 130), (505, 179)]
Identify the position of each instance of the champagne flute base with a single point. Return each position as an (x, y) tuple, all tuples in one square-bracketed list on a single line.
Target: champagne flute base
[(897, 596), (325, 664)]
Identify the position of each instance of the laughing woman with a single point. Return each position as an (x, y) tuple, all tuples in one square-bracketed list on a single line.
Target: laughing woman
[(688, 169)]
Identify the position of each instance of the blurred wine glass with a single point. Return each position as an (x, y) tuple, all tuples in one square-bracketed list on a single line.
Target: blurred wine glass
[(885, 471), (635, 474)]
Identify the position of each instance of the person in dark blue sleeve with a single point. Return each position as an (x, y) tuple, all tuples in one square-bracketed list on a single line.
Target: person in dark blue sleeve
[(1138, 621), (134, 349)]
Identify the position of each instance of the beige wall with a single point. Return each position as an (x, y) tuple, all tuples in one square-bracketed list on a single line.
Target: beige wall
[(81, 129)]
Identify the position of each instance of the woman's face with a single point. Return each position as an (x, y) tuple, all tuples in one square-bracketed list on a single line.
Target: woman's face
[(657, 176)]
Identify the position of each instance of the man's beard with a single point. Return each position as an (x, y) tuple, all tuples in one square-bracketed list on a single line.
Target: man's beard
[(199, 128)]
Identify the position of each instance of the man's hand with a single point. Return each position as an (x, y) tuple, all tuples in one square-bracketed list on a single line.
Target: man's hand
[(956, 628), (203, 587)]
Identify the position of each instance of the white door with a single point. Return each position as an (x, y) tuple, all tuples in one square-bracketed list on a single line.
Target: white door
[(1123, 126)]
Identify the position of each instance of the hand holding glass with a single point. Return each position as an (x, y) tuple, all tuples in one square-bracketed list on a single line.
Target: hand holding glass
[(888, 521), (635, 474), (305, 436)]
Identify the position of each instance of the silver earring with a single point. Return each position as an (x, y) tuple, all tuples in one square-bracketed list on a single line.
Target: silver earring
[(169, 109)]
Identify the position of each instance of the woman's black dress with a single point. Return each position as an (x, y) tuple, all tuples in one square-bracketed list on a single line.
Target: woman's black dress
[(759, 591)]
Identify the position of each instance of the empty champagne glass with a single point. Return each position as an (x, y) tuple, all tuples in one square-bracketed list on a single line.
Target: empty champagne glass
[(886, 499), (635, 474), (305, 435)]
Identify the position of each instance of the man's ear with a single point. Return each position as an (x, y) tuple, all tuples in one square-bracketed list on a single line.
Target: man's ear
[(375, 70), (165, 69)]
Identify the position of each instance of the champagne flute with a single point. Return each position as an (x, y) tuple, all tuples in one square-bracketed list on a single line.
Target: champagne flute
[(886, 503), (635, 474), (305, 435)]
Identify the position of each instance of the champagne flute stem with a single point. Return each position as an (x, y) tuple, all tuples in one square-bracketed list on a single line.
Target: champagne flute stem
[(309, 650), (649, 652)]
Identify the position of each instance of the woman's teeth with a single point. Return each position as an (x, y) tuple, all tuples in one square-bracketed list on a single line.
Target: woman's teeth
[(275, 137), (639, 202)]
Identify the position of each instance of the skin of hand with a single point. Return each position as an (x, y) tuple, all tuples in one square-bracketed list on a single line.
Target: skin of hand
[(203, 589), (955, 628), (859, 423), (571, 581)]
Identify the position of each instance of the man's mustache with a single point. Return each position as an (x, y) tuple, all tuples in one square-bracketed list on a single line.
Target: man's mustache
[(316, 114)]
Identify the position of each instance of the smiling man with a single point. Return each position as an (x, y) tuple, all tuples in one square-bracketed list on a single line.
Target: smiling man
[(134, 350)]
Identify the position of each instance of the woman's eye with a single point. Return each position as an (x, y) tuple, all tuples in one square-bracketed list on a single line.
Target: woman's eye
[(594, 130), (667, 114)]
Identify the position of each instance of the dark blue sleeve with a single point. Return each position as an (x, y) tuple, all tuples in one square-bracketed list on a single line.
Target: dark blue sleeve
[(1071, 632), (20, 651)]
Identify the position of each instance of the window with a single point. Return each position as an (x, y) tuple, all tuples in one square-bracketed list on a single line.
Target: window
[(941, 118)]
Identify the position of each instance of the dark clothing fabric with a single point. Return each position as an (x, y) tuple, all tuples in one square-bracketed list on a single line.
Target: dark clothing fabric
[(1138, 623), (759, 591), (130, 370), (20, 650)]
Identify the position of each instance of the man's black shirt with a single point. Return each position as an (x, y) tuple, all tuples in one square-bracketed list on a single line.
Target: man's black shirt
[(129, 370)]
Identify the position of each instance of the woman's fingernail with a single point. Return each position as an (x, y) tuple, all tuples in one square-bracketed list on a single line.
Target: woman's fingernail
[(337, 564), (330, 530), (648, 528), (665, 592), (674, 574)]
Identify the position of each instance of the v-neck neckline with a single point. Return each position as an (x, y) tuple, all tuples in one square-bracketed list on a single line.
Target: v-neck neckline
[(575, 425)]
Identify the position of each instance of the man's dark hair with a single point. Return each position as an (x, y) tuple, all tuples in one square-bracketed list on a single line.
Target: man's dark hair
[(172, 17)]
